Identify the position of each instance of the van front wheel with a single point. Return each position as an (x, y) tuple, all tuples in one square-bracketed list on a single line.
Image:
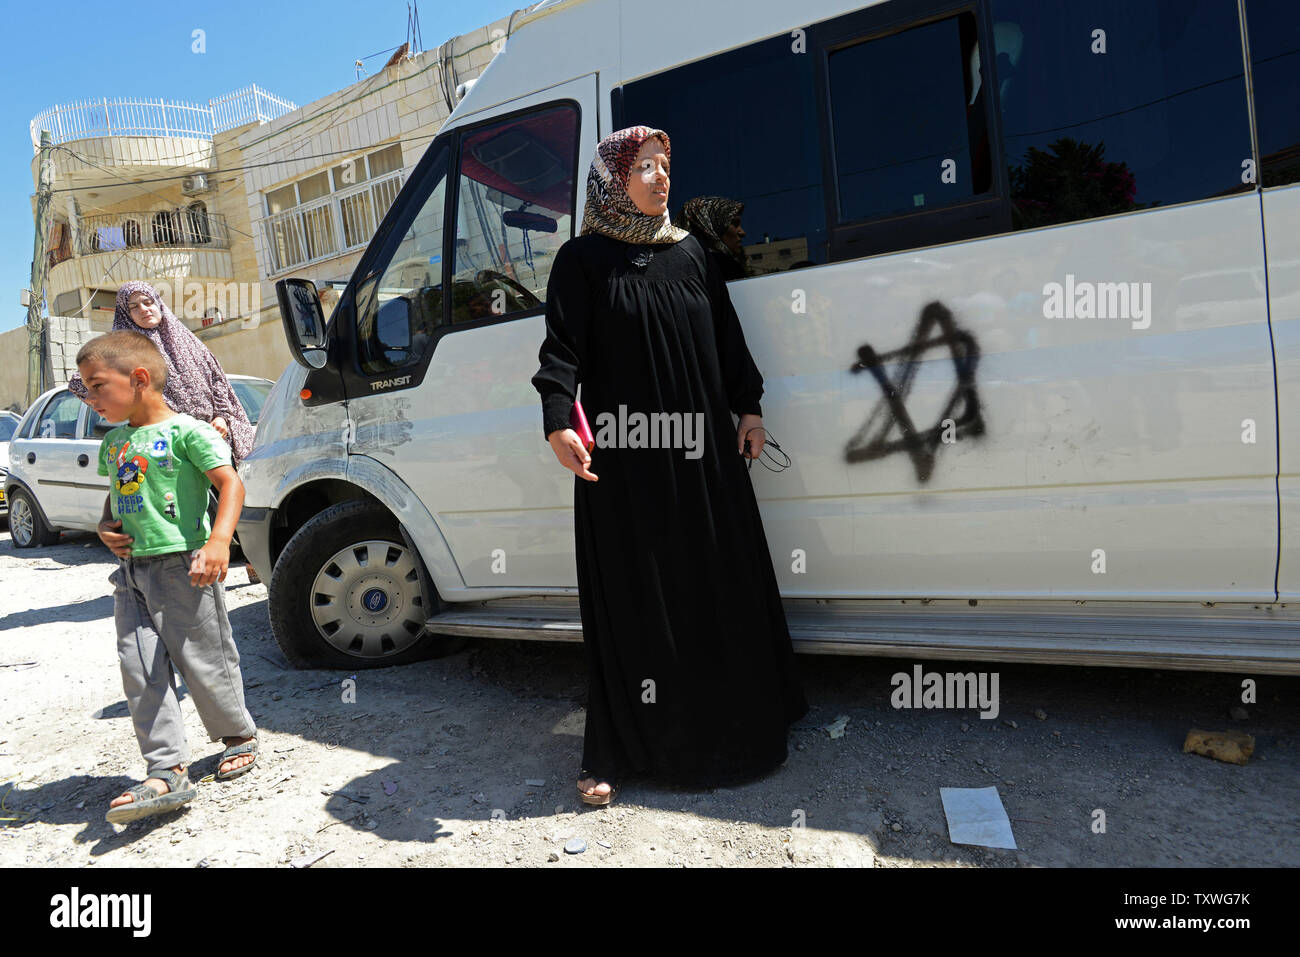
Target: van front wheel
[(345, 592)]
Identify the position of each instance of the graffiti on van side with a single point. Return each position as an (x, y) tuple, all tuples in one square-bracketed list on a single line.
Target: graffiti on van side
[(935, 329)]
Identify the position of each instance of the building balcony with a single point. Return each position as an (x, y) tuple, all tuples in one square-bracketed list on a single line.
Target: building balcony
[(334, 225), (106, 140), (108, 270), (89, 119), (190, 228)]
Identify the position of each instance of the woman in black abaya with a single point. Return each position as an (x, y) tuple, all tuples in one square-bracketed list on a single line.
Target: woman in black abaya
[(691, 674)]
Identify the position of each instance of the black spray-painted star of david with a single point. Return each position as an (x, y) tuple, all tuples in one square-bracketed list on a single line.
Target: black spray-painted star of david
[(934, 329)]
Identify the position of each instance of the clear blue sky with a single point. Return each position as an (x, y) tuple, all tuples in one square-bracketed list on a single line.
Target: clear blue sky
[(142, 48)]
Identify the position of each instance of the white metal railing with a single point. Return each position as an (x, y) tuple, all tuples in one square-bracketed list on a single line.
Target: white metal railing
[(339, 223), (246, 105), (149, 117), (171, 228)]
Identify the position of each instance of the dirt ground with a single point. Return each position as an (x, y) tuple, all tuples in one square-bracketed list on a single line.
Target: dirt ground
[(437, 763)]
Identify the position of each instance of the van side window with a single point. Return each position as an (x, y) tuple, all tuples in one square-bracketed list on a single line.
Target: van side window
[(743, 126), (908, 121), (1275, 69), (399, 307), (514, 209), (1112, 105)]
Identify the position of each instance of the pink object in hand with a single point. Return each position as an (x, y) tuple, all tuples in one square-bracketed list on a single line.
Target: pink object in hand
[(578, 422)]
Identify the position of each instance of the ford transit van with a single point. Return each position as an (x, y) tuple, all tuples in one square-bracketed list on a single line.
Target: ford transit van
[(1023, 281)]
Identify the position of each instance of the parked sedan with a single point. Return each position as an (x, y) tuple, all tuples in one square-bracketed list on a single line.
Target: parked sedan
[(8, 426), (52, 481)]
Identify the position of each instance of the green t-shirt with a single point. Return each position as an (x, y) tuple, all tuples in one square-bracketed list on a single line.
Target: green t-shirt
[(157, 483)]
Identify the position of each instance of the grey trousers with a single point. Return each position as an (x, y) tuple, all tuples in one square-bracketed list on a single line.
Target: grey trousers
[(165, 625)]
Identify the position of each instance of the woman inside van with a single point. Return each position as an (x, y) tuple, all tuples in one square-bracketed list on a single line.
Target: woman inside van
[(196, 383), (715, 222), (691, 674)]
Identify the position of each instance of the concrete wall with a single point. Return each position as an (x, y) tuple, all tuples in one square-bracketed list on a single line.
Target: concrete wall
[(261, 351), (13, 369)]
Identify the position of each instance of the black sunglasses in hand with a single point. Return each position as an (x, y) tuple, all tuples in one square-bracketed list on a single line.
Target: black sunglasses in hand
[(749, 462)]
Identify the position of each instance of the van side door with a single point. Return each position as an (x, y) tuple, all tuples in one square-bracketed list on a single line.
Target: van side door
[(1021, 348), (1274, 39)]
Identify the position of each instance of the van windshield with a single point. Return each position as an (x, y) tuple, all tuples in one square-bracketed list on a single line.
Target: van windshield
[(399, 307), (514, 209)]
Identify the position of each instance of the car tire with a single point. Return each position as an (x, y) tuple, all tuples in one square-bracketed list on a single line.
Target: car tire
[(27, 526), (345, 593)]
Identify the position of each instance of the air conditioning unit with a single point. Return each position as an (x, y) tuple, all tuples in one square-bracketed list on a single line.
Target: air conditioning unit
[(197, 183)]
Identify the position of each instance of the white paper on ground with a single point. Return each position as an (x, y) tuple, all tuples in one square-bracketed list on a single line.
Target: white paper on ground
[(976, 816)]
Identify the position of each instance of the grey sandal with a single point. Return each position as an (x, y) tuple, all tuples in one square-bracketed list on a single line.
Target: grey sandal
[(146, 801), (248, 747)]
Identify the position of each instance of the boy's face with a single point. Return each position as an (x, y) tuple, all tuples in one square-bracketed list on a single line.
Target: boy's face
[(114, 395)]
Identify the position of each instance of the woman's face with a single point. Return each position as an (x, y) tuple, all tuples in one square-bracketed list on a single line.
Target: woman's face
[(145, 311), (647, 183), (733, 235)]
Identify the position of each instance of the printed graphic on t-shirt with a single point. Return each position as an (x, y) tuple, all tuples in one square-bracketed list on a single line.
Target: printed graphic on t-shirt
[(158, 483), (130, 476)]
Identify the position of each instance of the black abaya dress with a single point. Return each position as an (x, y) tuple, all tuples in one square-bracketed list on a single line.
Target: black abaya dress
[(691, 673)]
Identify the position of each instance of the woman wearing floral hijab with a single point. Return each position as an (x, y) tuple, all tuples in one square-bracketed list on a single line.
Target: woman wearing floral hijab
[(690, 667), (196, 383)]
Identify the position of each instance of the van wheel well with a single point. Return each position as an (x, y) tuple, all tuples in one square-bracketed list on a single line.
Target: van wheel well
[(305, 503)]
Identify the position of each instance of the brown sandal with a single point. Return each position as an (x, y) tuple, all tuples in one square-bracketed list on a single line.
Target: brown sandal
[(596, 799)]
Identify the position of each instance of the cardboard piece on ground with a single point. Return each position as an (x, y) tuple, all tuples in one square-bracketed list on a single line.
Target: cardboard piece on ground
[(976, 816)]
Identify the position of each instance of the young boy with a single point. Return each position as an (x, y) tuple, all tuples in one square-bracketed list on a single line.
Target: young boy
[(169, 602)]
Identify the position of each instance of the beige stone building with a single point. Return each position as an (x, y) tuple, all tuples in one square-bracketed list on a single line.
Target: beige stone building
[(212, 203)]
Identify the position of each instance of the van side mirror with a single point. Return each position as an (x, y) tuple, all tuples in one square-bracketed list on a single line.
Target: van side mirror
[(304, 322)]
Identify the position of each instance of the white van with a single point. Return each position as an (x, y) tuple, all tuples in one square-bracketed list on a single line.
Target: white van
[(1025, 286)]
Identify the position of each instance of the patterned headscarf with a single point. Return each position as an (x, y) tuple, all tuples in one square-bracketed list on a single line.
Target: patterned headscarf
[(708, 217), (609, 208), (196, 383)]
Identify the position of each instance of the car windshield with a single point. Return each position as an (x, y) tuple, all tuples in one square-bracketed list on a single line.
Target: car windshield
[(252, 393), (7, 427)]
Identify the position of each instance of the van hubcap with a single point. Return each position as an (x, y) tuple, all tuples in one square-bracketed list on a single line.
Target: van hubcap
[(366, 600), (20, 521)]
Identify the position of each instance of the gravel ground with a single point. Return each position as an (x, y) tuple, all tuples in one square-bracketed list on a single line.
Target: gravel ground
[(437, 763)]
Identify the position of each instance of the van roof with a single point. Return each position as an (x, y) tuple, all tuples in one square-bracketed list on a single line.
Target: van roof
[(592, 36), (543, 8)]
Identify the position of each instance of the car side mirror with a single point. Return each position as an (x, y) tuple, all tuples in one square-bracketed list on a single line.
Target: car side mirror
[(304, 322)]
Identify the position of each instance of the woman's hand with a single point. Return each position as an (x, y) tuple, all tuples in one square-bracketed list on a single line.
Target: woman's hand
[(569, 450), (756, 438), (222, 428)]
